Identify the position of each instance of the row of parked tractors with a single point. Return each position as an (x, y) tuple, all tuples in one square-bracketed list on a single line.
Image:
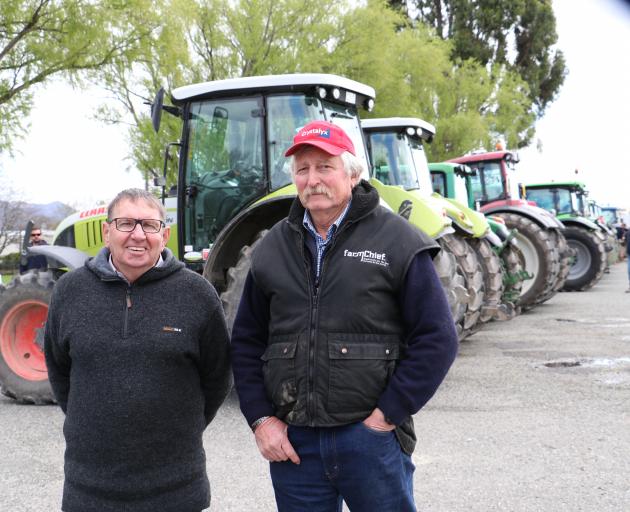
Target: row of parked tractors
[(505, 249)]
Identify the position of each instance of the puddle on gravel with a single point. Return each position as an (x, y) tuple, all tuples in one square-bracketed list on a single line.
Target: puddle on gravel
[(598, 362)]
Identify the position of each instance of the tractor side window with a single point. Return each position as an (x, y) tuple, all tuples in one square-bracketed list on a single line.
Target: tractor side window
[(286, 115), (66, 237), (438, 183), (565, 202), (542, 197)]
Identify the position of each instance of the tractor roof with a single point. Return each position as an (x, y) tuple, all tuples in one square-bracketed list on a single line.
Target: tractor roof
[(571, 185), (459, 169), (274, 83), (420, 127), (485, 157)]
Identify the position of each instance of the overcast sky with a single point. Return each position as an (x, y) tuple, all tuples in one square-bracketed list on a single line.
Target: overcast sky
[(69, 157)]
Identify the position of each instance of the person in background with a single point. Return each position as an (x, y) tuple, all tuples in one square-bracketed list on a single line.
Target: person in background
[(35, 261), (621, 236), (137, 351), (342, 334)]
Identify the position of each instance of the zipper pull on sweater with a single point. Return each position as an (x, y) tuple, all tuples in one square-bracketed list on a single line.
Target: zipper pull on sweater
[(128, 298)]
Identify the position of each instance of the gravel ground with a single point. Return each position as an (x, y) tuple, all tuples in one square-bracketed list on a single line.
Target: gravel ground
[(533, 416)]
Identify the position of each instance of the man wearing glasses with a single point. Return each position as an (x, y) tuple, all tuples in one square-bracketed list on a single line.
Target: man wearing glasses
[(137, 354), (35, 261)]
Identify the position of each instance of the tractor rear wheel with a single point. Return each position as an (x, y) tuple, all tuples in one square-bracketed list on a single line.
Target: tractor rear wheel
[(235, 282), (23, 312), (492, 276), (540, 258), (564, 252), (589, 260), (513, 276), (470, 268), (453, 284)]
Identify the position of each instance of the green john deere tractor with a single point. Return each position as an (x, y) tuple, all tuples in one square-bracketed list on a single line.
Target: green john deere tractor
[(452, 181), (567, 201), (233, 184)]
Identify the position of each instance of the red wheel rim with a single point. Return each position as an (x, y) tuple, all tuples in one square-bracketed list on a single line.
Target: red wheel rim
[(17, 340)]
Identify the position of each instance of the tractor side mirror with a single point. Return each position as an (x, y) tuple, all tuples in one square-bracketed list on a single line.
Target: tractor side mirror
[(25, 241), (156, 109)]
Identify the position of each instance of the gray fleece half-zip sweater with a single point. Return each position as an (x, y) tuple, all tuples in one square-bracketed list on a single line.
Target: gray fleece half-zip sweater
[(139, 370)]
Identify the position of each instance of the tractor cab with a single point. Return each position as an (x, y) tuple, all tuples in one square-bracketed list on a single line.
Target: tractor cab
[(396, 148), (234, 181), (234, 137), (561, 198), (490, 182)]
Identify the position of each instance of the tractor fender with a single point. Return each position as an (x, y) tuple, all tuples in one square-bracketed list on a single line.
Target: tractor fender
[(580, 222), (66, 256), (242, 230), (541, 217)]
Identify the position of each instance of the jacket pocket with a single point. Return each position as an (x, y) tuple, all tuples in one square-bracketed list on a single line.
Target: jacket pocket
[(359, 370), (279, 373)]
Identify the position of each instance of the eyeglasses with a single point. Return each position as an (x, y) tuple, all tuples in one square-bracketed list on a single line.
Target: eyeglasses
[(128, 225), (36, 234)]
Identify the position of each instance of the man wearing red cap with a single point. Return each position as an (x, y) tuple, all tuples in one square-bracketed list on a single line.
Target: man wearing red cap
[(342, 334)]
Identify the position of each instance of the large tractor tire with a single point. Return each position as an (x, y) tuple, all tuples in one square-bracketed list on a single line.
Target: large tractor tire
[(514, 274), (589, 260), (565, 255), (470, 268), (23, 312), (492, 276), (540, 258), (235, 282), (454, 285)]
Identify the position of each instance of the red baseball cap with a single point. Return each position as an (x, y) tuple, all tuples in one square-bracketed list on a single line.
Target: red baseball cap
[(323, 135)]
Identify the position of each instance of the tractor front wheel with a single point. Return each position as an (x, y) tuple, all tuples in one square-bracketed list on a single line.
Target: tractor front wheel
[(235, 282), (23, 312), (589, 260)]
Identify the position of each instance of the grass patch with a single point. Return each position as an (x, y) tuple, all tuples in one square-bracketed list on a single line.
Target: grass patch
[(7, 278)]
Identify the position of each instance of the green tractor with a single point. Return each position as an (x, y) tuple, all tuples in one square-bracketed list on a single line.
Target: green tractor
[(234, 183), (567, 200), (396, 149), (452, 181), (539, 234)]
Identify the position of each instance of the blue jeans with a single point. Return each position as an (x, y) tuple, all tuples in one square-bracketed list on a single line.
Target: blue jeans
[(365, 468)]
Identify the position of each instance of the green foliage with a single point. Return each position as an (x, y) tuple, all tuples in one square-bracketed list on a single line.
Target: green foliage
[(411, 68), (517, 34), (9, 264), (41, 39)]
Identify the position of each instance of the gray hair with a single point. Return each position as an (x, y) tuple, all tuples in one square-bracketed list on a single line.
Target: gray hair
[(351, 164), (134, 195)]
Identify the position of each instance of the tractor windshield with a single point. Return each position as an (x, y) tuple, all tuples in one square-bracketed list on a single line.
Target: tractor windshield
[(400, 160), (287, 114)]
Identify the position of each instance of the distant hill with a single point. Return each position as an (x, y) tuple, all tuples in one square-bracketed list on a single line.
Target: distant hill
[(47, 216)]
